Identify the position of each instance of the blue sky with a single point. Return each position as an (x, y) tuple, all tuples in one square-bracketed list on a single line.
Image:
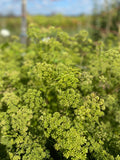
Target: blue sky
[(66, 7)]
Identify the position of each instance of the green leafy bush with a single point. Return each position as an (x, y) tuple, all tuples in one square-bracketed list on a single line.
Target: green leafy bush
[(59, 98)]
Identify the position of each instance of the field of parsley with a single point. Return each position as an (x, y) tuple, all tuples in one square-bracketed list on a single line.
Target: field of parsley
[(60, 97)]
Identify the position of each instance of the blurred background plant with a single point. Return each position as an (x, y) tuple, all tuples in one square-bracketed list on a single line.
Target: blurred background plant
[(103, 22)]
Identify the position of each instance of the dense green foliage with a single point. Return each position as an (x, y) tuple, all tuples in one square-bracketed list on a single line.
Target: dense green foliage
[(59, 98)]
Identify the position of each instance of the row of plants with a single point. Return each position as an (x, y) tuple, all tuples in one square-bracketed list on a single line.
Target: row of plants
[(59, 98), (70, 24), (97, 25)]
